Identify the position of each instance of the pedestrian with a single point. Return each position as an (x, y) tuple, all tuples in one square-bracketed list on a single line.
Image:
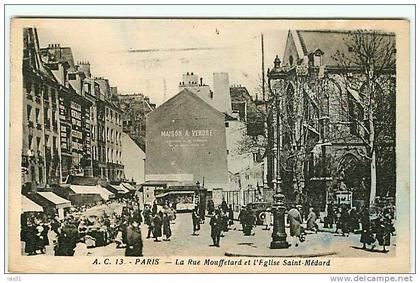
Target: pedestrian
[(82, 229), (195, 221), (384, 231), (210, 207), (267, 219), (294, 218), (311, 224), (134, 241), (366, 237), (329, 219), (353, 220), (224, 206), (154, 208), (345, 221), (44, 234), (225, 222), (148, 218), (230, 215), (122, 233), (216, 227), (166, 226), (39, 237), (55, 225), (68, 238), (202, 212), (241, 217), (249, 221), (30, 238), (338, 220), (157, 227)]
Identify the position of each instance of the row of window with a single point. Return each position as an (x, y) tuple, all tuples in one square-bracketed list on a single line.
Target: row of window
[(108, 134), (37, 90), (113, 116), (38, 146), (113, 136), (49, 120), (112, 156)]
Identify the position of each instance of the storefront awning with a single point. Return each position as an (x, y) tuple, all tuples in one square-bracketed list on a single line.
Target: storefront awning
[(104, 193), (161, 195), (30, 206), (120, 189), (174, 193), (129, 187), (58, 201)]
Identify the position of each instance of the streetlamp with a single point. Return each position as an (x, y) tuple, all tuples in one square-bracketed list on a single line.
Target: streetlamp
[(279, 236)]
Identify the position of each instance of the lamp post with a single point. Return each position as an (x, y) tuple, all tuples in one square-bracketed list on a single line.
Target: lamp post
[(279, 235)]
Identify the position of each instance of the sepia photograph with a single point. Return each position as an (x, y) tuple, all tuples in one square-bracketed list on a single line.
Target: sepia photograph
[(209, 145)]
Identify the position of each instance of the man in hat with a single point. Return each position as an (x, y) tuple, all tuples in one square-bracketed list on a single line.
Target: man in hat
[(249, 221), (216, 227), (134, 245)]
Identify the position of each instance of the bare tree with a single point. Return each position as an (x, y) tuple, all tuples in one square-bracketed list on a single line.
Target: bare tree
[(368, 77)]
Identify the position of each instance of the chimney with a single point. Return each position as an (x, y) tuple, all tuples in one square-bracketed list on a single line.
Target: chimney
[(222, 101)]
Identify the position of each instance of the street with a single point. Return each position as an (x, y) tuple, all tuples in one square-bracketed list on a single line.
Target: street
[(183, 243)]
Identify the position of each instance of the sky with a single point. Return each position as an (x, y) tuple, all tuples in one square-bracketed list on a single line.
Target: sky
[(150, 56)]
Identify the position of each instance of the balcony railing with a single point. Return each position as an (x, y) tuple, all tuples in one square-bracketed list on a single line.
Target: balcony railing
[(30, 124), (38, 126)]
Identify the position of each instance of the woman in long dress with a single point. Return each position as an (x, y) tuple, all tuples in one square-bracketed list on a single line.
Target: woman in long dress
[(311, 223), (384, 231), (157, 227), (167, 227), (366, 237)]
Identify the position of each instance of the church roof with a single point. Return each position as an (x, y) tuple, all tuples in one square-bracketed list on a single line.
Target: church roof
[(327, 41)]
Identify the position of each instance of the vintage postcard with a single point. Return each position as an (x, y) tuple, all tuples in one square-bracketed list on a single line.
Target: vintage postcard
[(209, 146)]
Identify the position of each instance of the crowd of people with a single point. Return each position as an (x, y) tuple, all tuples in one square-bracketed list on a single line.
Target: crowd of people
[(221, 219), (81, 230), (375, 227)]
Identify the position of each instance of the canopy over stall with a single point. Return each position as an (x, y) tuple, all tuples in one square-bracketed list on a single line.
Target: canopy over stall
[(119, 189), (99, 190), (30, 206), (129, 187), (56, 200)]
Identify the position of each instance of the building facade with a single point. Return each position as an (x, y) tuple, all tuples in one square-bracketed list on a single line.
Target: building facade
[(326, 112), (186, 140), (71, 124), (74, 111), (110, 130), (41, 152), (135, 107)]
